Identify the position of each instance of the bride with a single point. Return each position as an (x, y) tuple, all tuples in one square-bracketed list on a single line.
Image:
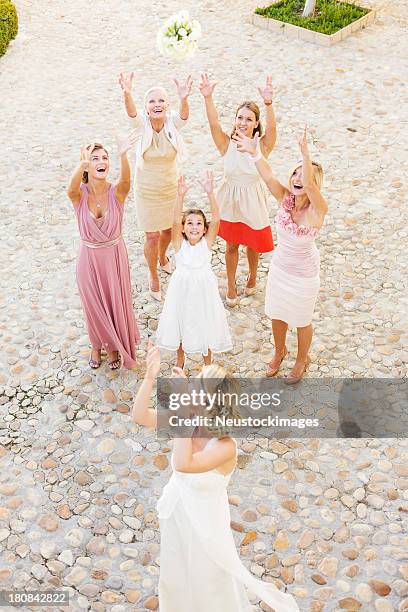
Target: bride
[(200, 568)]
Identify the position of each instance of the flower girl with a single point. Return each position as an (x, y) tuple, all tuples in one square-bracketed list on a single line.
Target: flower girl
[(193, 318)]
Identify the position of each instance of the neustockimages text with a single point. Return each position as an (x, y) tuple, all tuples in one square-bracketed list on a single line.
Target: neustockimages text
[(249, 421)]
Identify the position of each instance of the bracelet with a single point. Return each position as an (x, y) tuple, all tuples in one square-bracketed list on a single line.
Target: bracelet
[(268, 103), (257, 157)]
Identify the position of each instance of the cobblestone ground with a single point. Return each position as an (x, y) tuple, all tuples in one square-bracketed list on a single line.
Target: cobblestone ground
[(78, 481)]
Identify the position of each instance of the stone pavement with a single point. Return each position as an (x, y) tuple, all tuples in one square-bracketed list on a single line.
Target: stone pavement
[(79, 482)]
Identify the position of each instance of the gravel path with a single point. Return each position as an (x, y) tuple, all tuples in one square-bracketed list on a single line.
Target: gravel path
[(78, 481)]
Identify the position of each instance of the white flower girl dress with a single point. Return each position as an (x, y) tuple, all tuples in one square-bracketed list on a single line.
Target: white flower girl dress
[(193, 313)]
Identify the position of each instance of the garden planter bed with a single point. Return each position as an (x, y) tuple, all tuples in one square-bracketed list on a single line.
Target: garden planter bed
[(319, 38)]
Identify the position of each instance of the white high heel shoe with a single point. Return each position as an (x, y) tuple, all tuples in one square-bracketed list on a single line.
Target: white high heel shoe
[(249, 290), (232, 302), (156, 295), (167, 267)]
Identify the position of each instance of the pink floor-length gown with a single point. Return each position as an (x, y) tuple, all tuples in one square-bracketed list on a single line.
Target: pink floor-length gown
[(103, 277)]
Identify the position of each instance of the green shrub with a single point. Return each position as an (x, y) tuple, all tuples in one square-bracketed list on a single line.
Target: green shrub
[(8, 24), (330, 15)]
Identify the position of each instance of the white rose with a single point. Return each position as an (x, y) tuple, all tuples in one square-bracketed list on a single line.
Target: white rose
[(182, 32)]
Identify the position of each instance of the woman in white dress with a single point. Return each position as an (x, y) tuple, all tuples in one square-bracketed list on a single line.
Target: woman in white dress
[(200, 569), (193, 319)]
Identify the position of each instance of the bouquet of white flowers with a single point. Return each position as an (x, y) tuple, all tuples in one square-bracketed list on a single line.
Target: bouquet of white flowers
[(178, 36)]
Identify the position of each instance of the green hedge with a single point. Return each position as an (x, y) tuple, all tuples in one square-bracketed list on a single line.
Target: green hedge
[(330, 16), (8, 24)]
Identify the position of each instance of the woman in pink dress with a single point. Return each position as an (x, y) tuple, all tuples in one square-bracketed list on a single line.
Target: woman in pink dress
[(103, 273), (293, 280)]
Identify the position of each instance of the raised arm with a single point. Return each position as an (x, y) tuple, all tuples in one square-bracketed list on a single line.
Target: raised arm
[(250, 145), (317, 201), (142, 414), (177, 227), (220, 138), (122, 187), (269, 138), (208, 459), (74, 184), (208, 186), (125, 81), (184, 90)]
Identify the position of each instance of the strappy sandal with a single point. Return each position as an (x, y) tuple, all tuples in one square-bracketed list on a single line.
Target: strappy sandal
[(270, 373), (115, 363), (94, 364), (292, 380)]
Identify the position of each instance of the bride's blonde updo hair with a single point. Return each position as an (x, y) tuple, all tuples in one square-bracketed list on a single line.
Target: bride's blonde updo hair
[(214, 379)]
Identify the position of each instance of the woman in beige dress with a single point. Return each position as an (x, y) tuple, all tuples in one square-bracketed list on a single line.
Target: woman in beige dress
[(159, 152), (241, 196)]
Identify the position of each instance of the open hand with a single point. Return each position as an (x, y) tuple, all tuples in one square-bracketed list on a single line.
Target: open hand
[(152, 360), (182, 187), (86, 156), (124, 143), (304, 149), (206, 87), (245, 144), (208, 183), (125, 81), (267, 92), (184, 90)]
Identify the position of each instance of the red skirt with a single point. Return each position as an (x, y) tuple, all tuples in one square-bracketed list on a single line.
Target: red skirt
[(240, 233)]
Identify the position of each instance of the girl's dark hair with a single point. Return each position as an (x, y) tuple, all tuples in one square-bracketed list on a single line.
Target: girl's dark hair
[(96, 146), (193, 211), (252, 106)]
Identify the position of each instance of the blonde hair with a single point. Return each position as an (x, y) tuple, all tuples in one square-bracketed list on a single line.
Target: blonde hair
[(217, 380), (157, 88), (317, 172), (96, 147)]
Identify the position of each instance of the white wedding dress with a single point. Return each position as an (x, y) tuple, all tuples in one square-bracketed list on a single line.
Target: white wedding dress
[(200, 570)]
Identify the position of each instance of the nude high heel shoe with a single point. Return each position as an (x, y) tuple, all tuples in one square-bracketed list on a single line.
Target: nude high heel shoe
[(232, 302), (271, 372), (292, 380), (249, 290), (167, 267), (156, 295)]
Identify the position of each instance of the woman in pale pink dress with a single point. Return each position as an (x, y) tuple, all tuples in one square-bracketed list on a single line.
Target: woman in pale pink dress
[(103, 273), (293, 280)]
